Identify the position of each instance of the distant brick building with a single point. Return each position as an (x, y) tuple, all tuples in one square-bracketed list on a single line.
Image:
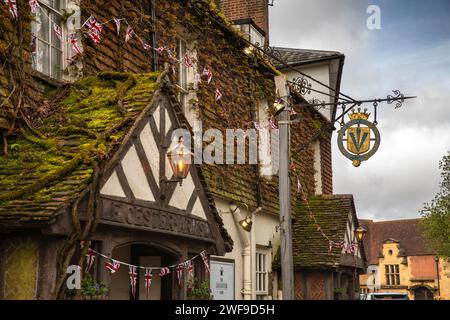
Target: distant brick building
[(400, 261)]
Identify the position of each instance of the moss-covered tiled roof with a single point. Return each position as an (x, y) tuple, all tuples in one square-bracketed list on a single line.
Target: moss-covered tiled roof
[(46, 169), (310, 247)]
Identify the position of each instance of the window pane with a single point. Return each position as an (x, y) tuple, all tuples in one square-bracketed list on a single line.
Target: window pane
[(397, 279), (44, 28), (386, 269), (397, 269), (55, 40), (392, 269), (42, 63), (388, 282)]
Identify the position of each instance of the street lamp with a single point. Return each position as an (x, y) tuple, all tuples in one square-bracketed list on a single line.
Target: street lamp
[(360, 234), (180, 162)]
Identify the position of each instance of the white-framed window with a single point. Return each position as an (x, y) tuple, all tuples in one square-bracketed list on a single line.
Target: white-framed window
[(183, 72), (48, 55), (262, 275), (253, 35)]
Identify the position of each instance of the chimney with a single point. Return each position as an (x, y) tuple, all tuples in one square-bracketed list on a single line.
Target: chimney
[(241, 11)]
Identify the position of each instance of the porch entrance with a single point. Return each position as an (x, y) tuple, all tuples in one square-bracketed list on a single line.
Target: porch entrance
[(423, 293), (141, 255)]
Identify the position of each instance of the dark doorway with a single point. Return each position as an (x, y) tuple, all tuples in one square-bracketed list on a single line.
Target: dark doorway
[(423, 293)]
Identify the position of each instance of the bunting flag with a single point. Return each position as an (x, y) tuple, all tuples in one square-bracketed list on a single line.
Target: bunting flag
[(208, 72), (188, 61), (129, 34), (12, 8), (190, 270), (34, 6), (160, 49), (58, 31), (146, 46), (90, 257), (112, 266), (133, 280), (205, 260), (272, 124), (94, 36), (180, 269), (93, 25), (218, 95), (74, 42), (148, 280), (118, 22), (164, 272)]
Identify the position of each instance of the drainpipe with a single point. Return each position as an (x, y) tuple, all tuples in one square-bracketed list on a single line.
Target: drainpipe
[(245, 237)]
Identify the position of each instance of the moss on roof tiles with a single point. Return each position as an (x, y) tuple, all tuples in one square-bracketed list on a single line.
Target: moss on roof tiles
[(310, 248), (45, 171)]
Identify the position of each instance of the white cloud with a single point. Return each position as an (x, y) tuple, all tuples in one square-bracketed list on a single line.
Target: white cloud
[(404, 172)]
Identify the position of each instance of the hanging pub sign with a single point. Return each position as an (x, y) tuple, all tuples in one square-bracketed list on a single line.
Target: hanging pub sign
[(359, 139)]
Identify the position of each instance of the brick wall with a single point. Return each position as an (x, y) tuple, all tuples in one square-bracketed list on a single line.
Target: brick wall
[(326, 164), (258, 10)]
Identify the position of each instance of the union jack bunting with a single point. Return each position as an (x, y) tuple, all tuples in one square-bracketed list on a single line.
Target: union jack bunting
[(146, 46), (94, 36), (12, 7), (190, 270), (34, 6), (74, 42), (133, 280), (180, 269), (299, 185), (188, 61), (208, 72), (130, 33), (164, 272), (117, 21), (330, 245), (272, 124), (93, 25), (90, 257), (148, 280), (58, 31), (160, 49), (205, 260), (112, 266), (218, 95)]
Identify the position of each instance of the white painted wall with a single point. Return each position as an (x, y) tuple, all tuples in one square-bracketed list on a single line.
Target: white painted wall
[(263, 235), (319, 72)]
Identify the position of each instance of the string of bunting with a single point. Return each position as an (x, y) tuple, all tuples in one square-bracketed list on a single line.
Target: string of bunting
[(348, 247), (93, 28), (114, 265)]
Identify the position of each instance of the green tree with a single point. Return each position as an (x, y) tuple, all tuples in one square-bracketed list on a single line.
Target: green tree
[(436, 214)]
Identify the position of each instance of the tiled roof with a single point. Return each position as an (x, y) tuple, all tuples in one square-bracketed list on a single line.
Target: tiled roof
[(407, 232), (310, 248), (294, 57), (44, 174)]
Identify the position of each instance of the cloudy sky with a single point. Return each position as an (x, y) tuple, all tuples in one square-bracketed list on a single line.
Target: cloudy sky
[(411, 52)]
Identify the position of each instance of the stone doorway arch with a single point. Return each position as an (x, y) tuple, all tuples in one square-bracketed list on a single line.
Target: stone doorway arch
[(423, 293)]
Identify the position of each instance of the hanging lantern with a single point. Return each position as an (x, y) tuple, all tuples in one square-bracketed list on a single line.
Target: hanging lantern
[(246, 224), (279, 107), (360, 234), (180, 161)]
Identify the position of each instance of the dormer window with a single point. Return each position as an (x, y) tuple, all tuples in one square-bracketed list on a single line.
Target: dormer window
[(253, 33)]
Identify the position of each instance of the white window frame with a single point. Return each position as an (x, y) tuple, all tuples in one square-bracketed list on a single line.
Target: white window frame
[(55, 69), (186, 76), (262, 274)]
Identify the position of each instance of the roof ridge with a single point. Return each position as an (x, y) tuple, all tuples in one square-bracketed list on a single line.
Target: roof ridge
[(306, 49)]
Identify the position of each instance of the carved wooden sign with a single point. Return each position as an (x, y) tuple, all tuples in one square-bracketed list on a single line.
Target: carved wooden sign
[(153, 219)]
